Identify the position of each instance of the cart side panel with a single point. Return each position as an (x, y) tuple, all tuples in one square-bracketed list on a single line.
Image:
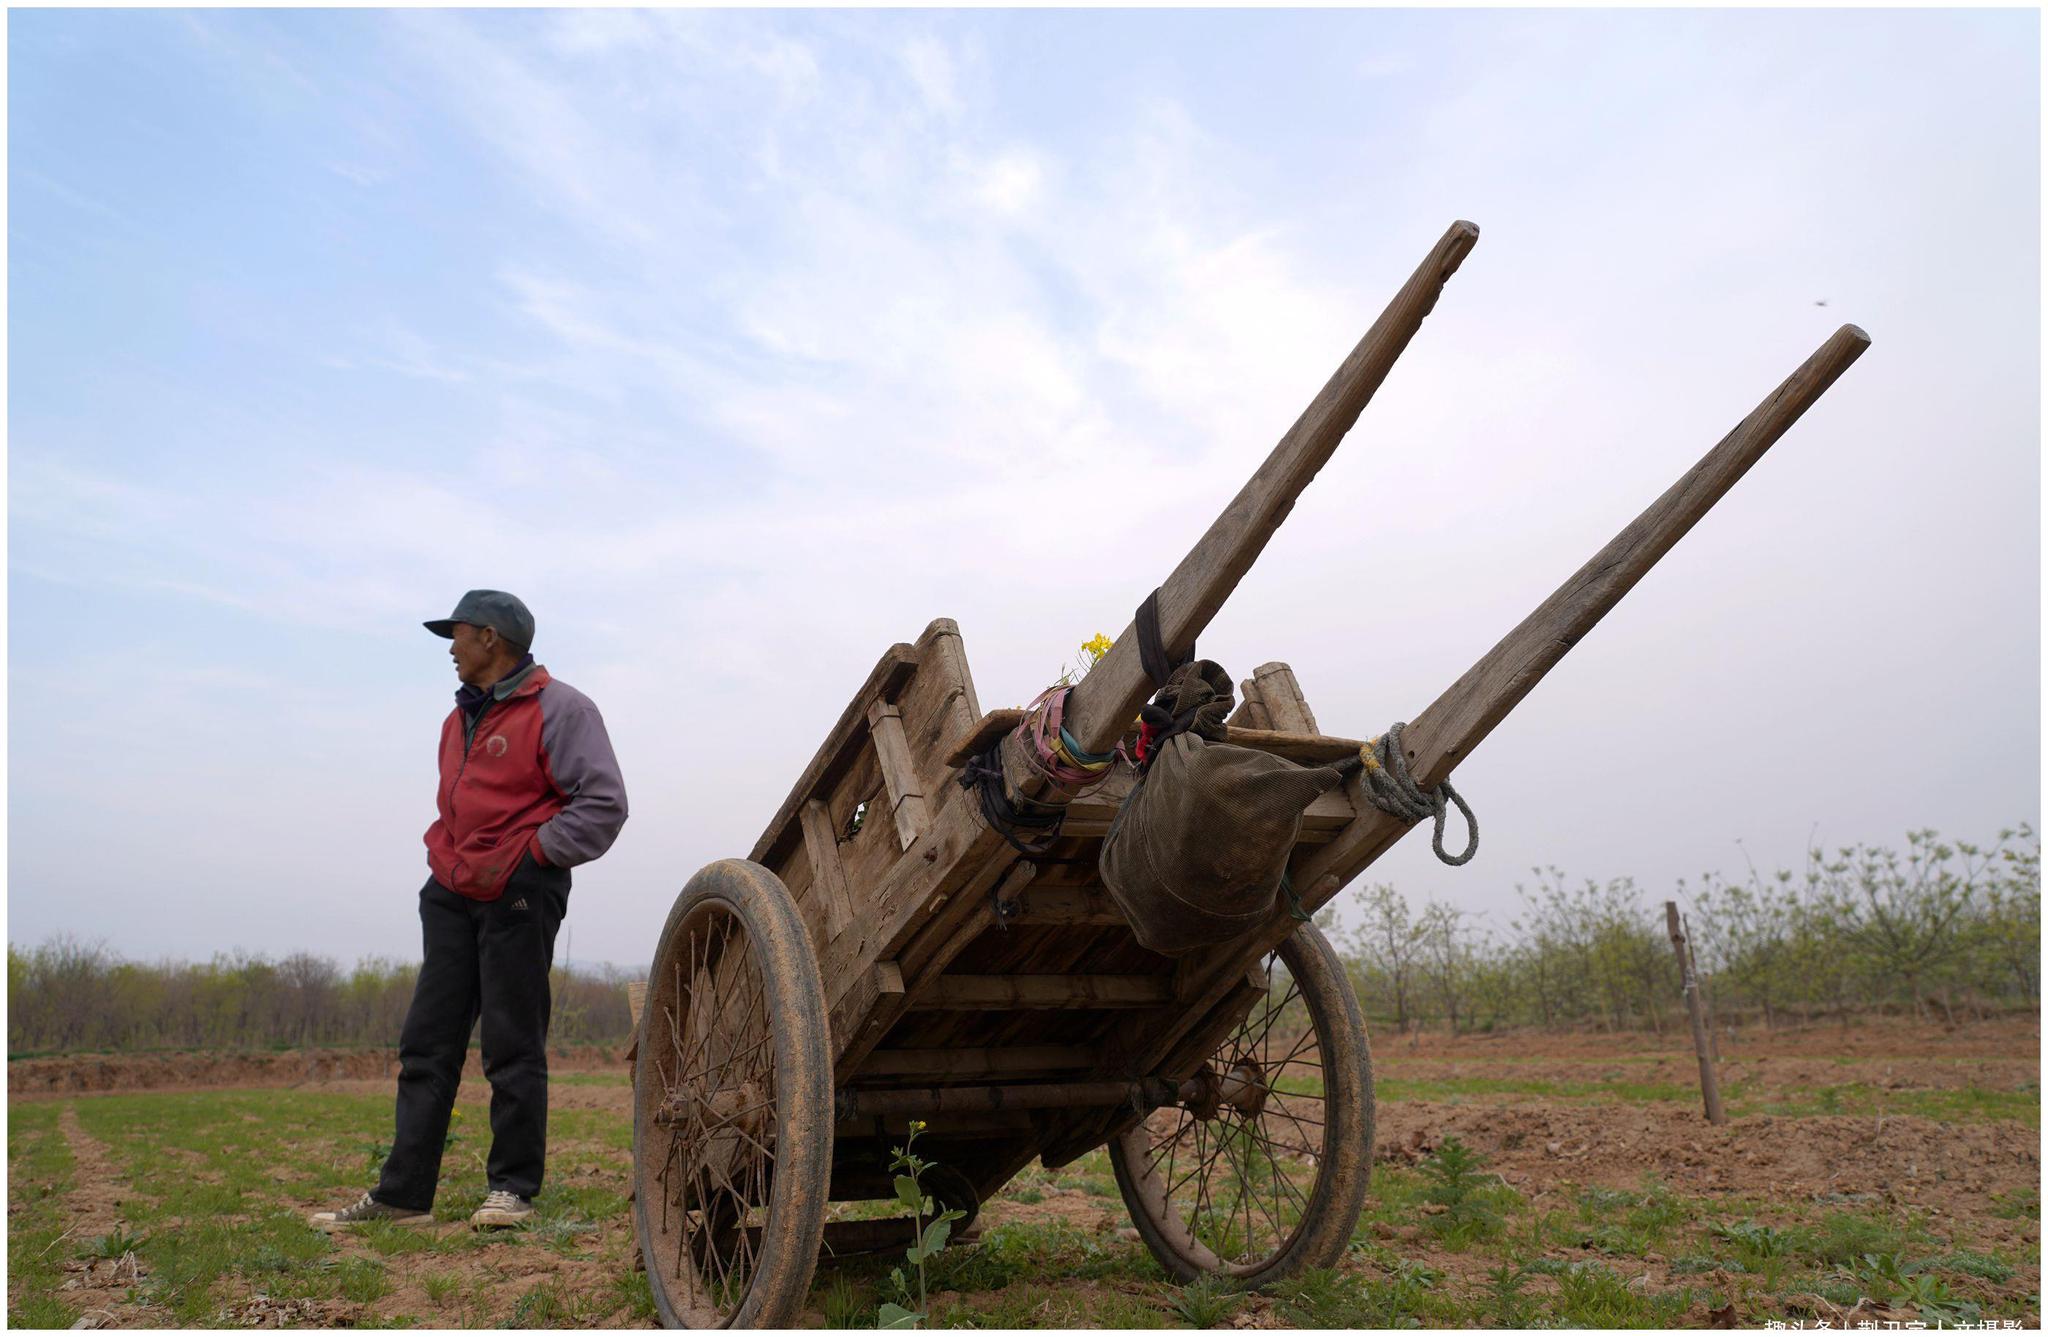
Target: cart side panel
[(925, 690)]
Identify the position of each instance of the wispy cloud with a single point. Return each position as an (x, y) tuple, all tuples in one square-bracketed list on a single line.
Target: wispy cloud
[(743, 344)]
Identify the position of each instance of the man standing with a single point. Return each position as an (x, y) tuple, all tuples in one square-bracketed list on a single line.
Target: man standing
[(529, 789)]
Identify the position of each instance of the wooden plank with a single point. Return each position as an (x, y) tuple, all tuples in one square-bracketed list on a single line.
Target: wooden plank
[(955, 711), (851, 1013), (636, 999), (899, 772), (1281, 700), (1090, 815), (841, 745), (981, 733), (1104, 703), (1457, 721), (1251, 710), (1308, 748), (938, 1100), (1066, 906), (1008, 1061), (954, 850), (1082, 1133), (1295, 743), (828, 874), (925, 958), (1005, 1123), (988, 992)]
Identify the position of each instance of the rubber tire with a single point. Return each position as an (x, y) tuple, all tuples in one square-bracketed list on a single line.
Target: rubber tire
[(1344, 1170), (794, 998)]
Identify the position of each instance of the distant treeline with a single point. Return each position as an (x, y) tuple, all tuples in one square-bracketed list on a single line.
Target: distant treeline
[(67, 995), (1942, 929)]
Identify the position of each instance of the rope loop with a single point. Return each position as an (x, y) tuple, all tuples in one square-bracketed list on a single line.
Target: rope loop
[(1387, 784)]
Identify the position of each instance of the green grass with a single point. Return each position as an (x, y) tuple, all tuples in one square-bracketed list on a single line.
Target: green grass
[(1036, 1305), (1453, 1090), (205, 1176), (1041, 1251), (214, 1180), (1591, 1295), (39, 1171), (1207, 1302), (1963, 1104)]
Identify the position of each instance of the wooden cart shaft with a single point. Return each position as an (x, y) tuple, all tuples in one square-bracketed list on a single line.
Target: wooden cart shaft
[(937, 1000)]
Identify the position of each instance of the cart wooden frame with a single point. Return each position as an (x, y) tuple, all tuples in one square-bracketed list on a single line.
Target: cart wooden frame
[(882, 955)]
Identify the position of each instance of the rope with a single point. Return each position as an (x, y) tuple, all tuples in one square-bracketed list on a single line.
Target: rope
[(1294, 905), (1007, 816), (1392, 789), (1049, 750), (1054, 754)]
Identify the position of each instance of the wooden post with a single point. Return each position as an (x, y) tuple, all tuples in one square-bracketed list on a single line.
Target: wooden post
[(1273, 700), (1105, 702), (1709, 1087), (1706, 997)]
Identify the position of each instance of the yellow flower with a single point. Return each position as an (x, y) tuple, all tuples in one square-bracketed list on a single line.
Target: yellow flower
[(917, 1125), (1095, 648)]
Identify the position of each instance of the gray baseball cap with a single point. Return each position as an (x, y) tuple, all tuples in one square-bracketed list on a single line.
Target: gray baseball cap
[(501, 612)]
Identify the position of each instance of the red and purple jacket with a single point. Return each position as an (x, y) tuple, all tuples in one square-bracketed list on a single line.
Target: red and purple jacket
[(526, 767)]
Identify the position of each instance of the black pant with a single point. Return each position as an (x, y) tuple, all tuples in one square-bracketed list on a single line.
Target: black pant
[(489, 958)]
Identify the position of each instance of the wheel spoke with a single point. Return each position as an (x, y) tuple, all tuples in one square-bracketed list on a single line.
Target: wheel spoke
[(1234, 1179), (713, 1091)]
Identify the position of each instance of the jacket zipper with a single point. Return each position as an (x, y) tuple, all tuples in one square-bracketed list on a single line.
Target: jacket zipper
[(468, 746)]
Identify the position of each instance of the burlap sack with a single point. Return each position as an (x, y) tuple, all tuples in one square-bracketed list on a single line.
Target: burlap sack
[(1196, 852)]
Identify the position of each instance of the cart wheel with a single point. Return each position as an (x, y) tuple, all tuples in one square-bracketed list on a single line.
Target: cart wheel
[(954, 1192), (732, 1106), (1261, 1170)]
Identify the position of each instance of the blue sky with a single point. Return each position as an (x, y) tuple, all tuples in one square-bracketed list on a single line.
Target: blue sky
[(743, 344)]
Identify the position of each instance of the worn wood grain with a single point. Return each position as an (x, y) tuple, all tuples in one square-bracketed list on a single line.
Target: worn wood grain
[(974, 992), (1004, 1061), (1104, 703), (1068, 907), (899, 772), (892, 1127), (1280, 699), (1308, 748), (937, 1100), (956, 708), (895, 667), (925, 957), (850, 1015), (975, 738), (828, 874), (1296, 741)]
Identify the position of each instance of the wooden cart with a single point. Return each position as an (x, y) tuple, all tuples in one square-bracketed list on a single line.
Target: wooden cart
[(883, 955)]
